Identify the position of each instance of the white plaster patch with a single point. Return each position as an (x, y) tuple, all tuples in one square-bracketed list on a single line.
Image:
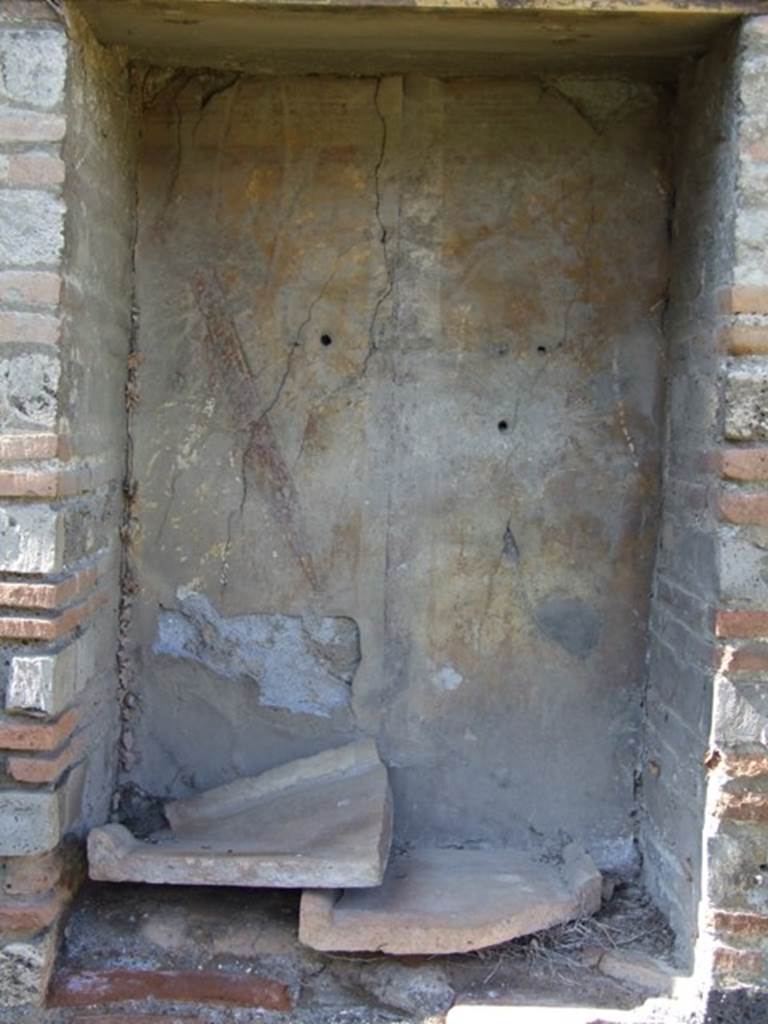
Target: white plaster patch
[(447, 679), (304, 665)]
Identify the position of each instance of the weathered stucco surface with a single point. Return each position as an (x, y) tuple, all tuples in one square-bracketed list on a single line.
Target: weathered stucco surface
[(399, 362)]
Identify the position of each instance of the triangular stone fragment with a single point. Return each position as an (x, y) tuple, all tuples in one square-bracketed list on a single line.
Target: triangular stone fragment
[(452, 901), (322, 821)]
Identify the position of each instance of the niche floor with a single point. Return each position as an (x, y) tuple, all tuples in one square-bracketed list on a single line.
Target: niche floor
[(118, 939)]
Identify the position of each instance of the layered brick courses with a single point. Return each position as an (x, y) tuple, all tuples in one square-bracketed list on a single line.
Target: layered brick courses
[(40, 771), (53, 483), (23, 447), (14, 627), (38, 754), (38, 736), (48, 595)]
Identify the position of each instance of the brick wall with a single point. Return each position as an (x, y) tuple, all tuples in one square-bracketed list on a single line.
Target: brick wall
[(66, 201), (704, 831), (737, 833), (682, 651)]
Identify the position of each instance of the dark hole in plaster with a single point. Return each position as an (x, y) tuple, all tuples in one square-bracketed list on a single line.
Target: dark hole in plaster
[(326, 340), (503, 425), (763, 867), (542, 348)]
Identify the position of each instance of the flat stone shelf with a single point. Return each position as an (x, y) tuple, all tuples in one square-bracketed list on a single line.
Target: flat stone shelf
[(452, 901), (322, 821)]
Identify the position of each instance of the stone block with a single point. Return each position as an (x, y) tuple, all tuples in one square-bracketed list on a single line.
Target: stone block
[(738, 879), (743, 566), (33, 67), (29, 384), (746, 404), (639, 970), (31, 822), (33, 227), (452, 901), (44, 684), (25, 969), (31, 539)]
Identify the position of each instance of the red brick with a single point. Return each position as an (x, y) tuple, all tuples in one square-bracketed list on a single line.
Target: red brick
[(97, 988), (745, 339), (31, 914), (65, 483), (48, 595), (16, 627), (746, 766), (745, 925), (744, 508), (20, 447), (741, 623), (29, 327), (736, 965), (37, 735), (752, 658), (744, 807), (29, 287), (24, 126), (744, 463), (43, 770), (35, 169), (743, 299)]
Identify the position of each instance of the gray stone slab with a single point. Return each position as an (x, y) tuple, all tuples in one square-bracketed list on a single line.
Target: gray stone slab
[(452, 901), (322, 821)]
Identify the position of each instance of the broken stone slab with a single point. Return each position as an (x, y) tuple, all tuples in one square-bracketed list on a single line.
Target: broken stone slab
[(321, 821), (452, 901)]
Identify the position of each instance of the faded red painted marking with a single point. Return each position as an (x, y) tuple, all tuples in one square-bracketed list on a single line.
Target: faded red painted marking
[(96, 988), (229, 368)]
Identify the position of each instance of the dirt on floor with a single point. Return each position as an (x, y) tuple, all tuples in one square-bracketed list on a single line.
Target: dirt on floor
[(114, 928)]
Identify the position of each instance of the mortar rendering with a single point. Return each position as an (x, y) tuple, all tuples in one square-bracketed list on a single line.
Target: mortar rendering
[(383, 511)]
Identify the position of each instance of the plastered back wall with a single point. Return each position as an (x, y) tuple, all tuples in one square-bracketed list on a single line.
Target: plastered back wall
[(396, 438)]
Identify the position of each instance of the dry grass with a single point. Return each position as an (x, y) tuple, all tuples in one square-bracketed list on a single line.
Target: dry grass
[(628, 921)]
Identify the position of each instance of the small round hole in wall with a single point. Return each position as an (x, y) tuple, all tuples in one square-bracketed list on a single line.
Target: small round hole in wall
[(326, 340), (503, 426), (542, 349)]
